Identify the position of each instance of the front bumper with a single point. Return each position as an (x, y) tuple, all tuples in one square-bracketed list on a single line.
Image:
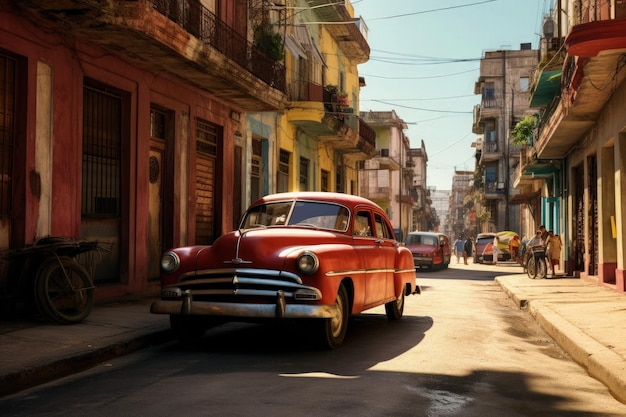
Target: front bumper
[(277, 310), (420, 261)]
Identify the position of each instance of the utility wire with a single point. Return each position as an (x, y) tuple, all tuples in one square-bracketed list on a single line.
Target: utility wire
[(430, 11)]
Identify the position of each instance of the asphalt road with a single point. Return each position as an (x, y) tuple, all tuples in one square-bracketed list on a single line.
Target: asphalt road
[(462, 349)]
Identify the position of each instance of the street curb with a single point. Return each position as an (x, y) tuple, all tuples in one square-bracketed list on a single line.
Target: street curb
[(520, 302), (600, 362), (18, 381)]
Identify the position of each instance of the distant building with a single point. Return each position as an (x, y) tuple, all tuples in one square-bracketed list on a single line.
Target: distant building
[(503, 84), (462, 214), (385, 179)]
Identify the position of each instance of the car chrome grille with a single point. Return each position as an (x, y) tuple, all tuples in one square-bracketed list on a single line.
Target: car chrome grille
[(244, 283)]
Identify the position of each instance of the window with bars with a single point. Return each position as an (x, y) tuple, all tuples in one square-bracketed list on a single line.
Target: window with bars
[(206, 138), (324, 175), (256, 169), (8, 83), (282, 182), (304, 174), (102, 143), (339, 180)]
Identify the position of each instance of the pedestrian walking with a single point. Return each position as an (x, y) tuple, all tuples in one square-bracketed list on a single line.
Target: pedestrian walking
[(467, 249), (458, 249), (496, 243), (554, 245), (514, 245)]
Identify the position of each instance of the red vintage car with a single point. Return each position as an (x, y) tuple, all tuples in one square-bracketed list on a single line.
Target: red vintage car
[(430, 249), (304, 255)]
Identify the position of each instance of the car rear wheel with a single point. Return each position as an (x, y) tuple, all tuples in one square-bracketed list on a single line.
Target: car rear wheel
[(395, 309), (333, 330)]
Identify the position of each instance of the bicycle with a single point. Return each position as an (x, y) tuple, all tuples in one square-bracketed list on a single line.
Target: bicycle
[(536, 265), (49, 275)]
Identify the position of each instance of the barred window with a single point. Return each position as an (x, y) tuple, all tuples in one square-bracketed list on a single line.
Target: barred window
[(256, 169), (283, 171), (7, 130), (102, 141), (304, 174), (324, 180)]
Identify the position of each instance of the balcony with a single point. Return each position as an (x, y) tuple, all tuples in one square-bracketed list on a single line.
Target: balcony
[(334, 124), (531, 172), (181, 38), (490, 152), (350, 37), (494, 190), (477, 125), (595, 50)]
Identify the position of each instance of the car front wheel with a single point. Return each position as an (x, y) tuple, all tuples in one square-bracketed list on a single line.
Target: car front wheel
[(333, 330), (395, 309)]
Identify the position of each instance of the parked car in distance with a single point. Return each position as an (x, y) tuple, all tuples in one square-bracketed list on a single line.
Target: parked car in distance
[(314, 257), (504, 252), (482, 240), (430, 249)]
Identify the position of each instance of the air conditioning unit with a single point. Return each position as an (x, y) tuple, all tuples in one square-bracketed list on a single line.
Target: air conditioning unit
[(500, 186)]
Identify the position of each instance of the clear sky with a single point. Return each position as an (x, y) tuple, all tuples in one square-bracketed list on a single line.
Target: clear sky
[(425, 60)]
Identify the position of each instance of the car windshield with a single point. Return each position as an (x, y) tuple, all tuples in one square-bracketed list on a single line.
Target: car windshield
[(421, 240), (297, 213)]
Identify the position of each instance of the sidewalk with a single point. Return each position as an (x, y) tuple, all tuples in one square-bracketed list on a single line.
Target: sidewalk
[(585, 319), (35, 352)]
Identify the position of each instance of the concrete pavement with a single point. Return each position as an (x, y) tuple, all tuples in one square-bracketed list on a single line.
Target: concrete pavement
[(585, 319)]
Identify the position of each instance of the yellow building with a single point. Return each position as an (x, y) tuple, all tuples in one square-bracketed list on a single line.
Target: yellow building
[(317, 142)]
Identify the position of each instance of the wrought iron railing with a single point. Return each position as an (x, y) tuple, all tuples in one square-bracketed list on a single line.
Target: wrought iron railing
[(199, 21)]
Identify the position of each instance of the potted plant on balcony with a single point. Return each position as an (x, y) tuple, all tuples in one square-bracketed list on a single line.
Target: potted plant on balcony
[(524, 130), (268, 41)]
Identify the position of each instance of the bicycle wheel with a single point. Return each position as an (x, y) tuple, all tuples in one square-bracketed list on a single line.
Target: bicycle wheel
[(531, 268), (542, 268), (64, 290)]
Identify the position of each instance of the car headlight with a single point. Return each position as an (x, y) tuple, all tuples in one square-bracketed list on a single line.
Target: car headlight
[(170, 262), (308, 263)]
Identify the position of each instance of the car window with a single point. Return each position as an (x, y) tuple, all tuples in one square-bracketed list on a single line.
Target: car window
[(322, 215), (267, 215), (362, 224), (299, 213), (382, 229), (422, 240)]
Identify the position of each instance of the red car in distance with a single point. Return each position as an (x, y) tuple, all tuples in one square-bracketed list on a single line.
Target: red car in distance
[(430, 249), (296, 256)]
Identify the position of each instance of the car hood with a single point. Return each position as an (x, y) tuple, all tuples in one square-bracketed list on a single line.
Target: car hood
[(263, 248)]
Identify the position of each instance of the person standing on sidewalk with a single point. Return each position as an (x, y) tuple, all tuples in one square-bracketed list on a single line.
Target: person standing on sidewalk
[(496, 249), (458, 249), (467, 249), (553, 249), (514, 248)]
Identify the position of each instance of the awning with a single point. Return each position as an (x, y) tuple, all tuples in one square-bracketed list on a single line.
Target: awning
[(548, 86), (524, 198), (294, 46), (302, 35)]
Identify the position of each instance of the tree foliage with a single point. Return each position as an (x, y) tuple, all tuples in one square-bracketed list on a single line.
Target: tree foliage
[(524, 130)]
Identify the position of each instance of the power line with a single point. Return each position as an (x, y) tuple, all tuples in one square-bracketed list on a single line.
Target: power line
[(430, 11), (422, 109)]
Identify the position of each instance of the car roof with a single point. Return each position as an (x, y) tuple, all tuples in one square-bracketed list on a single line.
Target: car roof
[(483, 235), (340, 198)]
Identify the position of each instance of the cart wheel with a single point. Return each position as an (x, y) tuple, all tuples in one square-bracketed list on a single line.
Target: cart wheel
[(63, 290)]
